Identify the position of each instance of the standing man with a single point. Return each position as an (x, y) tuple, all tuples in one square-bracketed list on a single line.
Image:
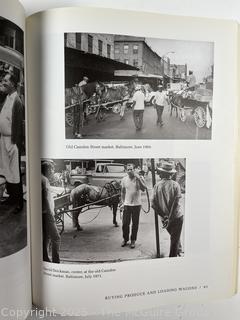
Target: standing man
[(77, 101), (138, 107), (132, 185), (124, 104), (191, 81), (50, 231), (11, 139), (78, 110), (159, 102), (166, 201)]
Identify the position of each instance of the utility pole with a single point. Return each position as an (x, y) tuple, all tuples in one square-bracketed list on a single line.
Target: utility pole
[(155, 213)]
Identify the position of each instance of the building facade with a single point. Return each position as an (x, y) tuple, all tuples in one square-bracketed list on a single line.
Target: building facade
[(11, 49), (178, 72), (91, 55), (136, 52), (95, 43)]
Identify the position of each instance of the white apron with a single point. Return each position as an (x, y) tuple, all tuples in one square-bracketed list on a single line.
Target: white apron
[(9, 158)]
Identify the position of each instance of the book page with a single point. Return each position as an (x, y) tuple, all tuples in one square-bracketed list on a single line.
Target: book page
[(15, 273), (137, 123)]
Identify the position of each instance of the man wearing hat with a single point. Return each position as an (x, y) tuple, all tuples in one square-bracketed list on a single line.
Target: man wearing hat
[(166, 202), (191, 81), (159, 101), (50, 231), (83, 82), (138, 107)]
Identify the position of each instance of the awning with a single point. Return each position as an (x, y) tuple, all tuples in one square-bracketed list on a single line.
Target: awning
[(136, 73), (12, 57)]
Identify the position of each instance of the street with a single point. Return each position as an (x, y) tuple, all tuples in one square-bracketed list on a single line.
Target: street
[(13, 230), (100, 241), (114, 128)]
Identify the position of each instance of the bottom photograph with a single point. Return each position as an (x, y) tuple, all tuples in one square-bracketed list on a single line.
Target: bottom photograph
[(103, 210)]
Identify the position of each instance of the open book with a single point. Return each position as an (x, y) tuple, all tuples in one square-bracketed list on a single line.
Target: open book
[(118, 160)]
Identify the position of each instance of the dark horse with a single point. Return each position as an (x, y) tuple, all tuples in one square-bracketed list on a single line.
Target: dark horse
[(88, 194)]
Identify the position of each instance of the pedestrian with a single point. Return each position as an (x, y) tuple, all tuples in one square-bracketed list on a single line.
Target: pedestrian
[(159, 102), (83, 82), (132, 185), (50, 231), (124, 104), (78, 116), (191, 81), (11, 140), (138, 107), (166, 202)]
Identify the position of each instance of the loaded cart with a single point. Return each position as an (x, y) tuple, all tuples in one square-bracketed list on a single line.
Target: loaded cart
[(196, 104)]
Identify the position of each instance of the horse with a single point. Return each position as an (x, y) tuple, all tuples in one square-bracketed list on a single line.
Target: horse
[(87, 194), (176, 101)]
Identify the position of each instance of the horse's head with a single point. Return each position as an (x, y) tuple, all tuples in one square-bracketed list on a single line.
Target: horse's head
[(116, 185)]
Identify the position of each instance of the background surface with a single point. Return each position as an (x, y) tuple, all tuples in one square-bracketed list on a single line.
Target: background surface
[(214, 8), (218, 310)]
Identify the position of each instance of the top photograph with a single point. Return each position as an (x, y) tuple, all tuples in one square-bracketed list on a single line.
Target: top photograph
[(128, 87)]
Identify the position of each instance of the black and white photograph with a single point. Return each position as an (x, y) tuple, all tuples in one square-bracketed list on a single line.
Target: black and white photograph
[(13, 219), (117, 210), (129, 87)]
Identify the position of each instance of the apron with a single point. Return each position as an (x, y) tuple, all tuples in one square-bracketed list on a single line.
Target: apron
[(9, 155)]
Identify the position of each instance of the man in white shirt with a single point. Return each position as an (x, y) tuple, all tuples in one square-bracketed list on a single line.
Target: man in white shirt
[(132, 185), (159, 101), (138, 107)]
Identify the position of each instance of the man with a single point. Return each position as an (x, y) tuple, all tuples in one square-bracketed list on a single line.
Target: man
[(191, 81), (159, 102), (50, 231), (132, 185), (124, 104), (138, 107), (11, 138), (166, 201), (77, 100), (83, 82)]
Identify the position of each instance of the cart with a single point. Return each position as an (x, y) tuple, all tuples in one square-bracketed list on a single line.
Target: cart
[(63, 205), (100, 110), (200, 110), (197, 104)]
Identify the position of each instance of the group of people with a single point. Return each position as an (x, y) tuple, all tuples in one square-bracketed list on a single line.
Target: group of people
[(11, 141), (165, 201), (160, 100)]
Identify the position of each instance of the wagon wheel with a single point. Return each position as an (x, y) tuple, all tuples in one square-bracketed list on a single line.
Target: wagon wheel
[(116, 108), (101, 114), (87, 109), (59, 219), (182, 114), (200, 117), (69, 118)]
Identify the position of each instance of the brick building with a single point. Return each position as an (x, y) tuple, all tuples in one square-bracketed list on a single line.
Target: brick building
[(91, 55), (96, 43)]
